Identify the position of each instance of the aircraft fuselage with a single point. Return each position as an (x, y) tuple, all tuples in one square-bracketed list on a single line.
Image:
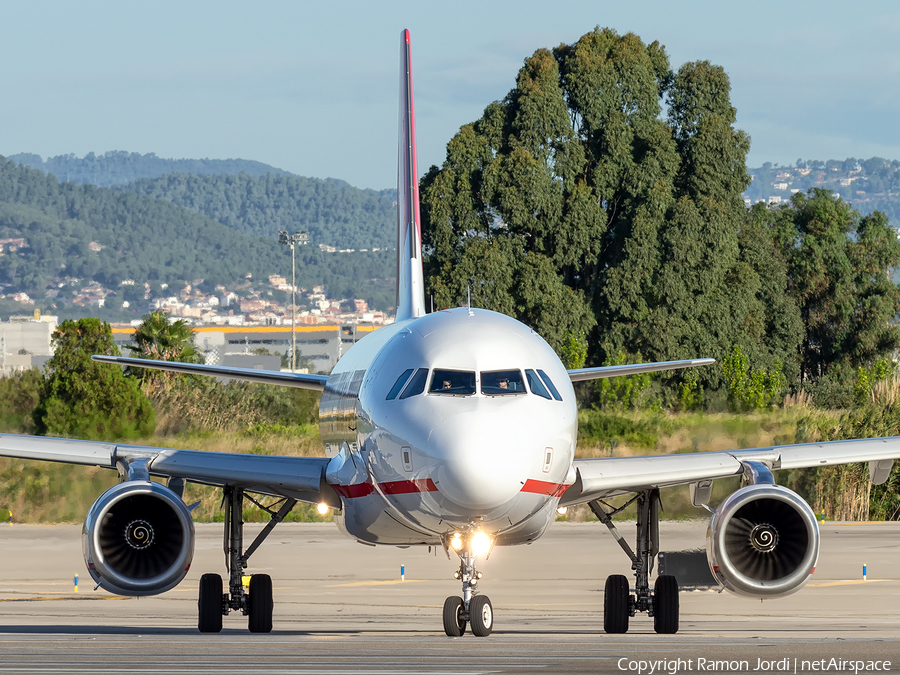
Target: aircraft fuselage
[(457, 419)]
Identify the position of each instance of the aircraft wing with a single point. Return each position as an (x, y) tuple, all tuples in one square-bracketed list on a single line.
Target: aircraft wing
[(581, 374), (300, 380), (301, 478), (610, 476)]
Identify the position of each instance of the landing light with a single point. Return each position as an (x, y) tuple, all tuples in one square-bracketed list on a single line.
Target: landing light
[(562, 510), (322, 509), (481, 543), (456, 542)]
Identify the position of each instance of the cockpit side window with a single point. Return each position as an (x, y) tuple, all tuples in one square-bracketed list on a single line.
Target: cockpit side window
[(534, 383), (502, 383), (452, 383), (398, 385), (416, 385), (550, 385)]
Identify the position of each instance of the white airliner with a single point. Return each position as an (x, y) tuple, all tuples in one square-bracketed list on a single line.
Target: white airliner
[(454, 429)]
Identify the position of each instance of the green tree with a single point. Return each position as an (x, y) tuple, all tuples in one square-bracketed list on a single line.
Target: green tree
[(158, 338), (751, 388), (839, 266), (575, 206), (509, 218), (81, 398)]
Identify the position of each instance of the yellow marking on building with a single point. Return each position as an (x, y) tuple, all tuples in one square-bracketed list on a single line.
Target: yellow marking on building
[(315, 328)]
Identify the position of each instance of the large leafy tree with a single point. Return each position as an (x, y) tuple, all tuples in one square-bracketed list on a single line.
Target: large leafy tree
[(81, 398), (509, 219), (574, 205)]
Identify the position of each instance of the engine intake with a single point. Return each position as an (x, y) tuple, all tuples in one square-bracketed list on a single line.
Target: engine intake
[(763, 542), (138, 539)]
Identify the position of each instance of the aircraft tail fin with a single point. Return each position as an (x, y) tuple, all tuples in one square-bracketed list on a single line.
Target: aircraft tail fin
[(410, 280)]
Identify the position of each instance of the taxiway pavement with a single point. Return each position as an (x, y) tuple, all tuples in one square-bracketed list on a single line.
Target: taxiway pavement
[(341, 607)]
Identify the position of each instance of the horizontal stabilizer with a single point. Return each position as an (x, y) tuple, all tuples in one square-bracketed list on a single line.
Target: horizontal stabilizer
[(581, 374), (298, 380)]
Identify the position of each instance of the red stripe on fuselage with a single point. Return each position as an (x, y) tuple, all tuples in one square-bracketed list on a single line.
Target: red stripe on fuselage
[(397, 487), (353, 491), (404, 487), (542, 487)]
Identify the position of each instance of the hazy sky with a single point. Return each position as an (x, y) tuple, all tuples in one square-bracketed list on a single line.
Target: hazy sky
[(312, 87)]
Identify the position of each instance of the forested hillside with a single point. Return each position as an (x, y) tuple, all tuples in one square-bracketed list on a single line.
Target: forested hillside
[(118, 167), (334, 213), (73, 234)]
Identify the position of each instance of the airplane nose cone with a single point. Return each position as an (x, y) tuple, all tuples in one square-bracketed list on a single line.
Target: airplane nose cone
[(482, 465)]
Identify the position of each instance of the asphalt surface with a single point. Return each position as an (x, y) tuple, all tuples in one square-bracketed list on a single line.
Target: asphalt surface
[(342, 608)]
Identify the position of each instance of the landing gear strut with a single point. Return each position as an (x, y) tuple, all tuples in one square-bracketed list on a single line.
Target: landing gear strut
[(257, 605), (619, 604), (471, 609)]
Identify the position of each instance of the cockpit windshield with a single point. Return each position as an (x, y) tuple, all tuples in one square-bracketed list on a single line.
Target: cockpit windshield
[(535, 384), (502, 383), (452, 382)]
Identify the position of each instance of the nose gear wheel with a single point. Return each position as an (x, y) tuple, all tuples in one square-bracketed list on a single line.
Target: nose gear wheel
[(471, 609)]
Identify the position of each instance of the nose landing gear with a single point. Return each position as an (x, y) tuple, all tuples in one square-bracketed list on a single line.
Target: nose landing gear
[(471, 609)]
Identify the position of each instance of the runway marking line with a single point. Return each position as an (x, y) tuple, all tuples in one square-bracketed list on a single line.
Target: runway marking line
[(847, 582), (376, 583)]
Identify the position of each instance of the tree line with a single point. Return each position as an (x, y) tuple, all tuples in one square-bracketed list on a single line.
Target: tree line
[(118, 167), (600, 202)]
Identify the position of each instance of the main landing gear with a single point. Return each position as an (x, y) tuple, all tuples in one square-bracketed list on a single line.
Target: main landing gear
[(257, 604), (619, 603), (471, 609)]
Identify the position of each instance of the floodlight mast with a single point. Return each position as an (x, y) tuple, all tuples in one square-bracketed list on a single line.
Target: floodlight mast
[(293, 240)]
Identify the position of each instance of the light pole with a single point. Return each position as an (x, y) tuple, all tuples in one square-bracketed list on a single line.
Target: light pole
[(293, 240)]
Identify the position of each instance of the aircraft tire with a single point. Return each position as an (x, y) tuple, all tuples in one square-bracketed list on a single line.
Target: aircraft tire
[(454, 610), (665, 605), (615, 604), (209, 604), (481, 615), (261, 604)]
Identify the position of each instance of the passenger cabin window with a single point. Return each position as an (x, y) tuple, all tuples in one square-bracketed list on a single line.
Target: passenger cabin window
[(416, 385), (398, 385), (452, 383), (536, 386), (502, 383), (550, 386)]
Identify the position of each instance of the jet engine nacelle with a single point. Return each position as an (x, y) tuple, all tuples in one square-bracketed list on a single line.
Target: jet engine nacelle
[(138, 539), (763, 542)]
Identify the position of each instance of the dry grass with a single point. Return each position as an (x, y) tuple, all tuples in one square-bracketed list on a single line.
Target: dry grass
[(886, 392), (799, 400)]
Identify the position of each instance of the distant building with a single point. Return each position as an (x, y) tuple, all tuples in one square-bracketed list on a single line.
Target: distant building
[(321, 345), (26, 342)]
